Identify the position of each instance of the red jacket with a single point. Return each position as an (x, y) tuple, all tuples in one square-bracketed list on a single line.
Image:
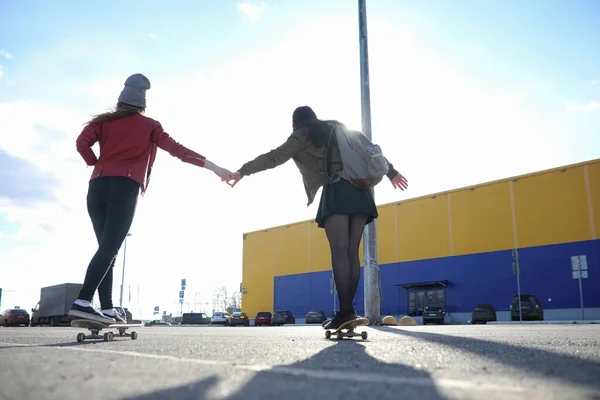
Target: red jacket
[(128, 148)]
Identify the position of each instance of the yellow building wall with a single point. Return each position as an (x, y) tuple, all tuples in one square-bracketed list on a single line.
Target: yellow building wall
[(320, 256), (423, 228), (552, 208), (594, 182), (258, 272), (481, 219), (292, 249), (387, 238)]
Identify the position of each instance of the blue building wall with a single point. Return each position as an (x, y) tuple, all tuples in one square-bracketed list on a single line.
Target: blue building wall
[(476, 278)]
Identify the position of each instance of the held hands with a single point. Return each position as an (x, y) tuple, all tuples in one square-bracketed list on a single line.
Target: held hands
[(234, 178), (222, 173)]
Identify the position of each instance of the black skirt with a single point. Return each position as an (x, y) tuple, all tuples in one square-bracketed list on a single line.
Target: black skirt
[(344, 198)]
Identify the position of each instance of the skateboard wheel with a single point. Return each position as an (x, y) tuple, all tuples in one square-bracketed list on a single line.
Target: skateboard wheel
[(80, 337), (327, 334), (108, 337), (340, 335), (363, 335), (133, 335)]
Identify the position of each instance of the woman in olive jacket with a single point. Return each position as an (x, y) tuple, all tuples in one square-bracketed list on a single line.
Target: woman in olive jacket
[(344, 209)]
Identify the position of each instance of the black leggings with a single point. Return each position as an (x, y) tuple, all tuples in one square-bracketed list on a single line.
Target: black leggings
[(344, 232), (111, 203)]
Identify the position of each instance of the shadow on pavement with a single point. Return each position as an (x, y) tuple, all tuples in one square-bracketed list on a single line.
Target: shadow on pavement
[(550, 365), (343, 371)]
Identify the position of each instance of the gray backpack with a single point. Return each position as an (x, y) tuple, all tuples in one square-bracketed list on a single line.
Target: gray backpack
[(364, 163)]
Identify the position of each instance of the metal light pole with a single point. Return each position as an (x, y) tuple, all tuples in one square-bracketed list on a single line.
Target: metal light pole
[(371, 269), (123, 273)]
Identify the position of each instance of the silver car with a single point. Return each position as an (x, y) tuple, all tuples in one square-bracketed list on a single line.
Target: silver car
[(220, 318)]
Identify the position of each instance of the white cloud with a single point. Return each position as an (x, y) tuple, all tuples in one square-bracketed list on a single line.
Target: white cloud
[(593, 105), (252, 11), (6, 54), (152, 35), (1, 71)]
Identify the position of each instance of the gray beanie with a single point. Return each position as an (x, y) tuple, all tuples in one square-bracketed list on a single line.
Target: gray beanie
[(134, 92)]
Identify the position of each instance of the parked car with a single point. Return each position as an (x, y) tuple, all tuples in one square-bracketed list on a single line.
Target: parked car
[(195, 319), (315, 317), (239, 318), (262, 318), (483, 313), (157, 322), (14, 317), (433, 314), (531, 308), (220, 318), (281, 317)]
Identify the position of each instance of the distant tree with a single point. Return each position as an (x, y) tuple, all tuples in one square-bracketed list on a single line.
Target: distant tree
[(236, 301), (221, 301)]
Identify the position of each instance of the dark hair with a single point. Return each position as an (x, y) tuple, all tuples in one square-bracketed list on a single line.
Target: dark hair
[(318, 130), (122, 110)]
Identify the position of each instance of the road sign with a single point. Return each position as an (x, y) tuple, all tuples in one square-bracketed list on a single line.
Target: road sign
[(181, 294), (183, 284), (156, 309), (580, 271), (181, 301), (516, 266), (579, 263), (584, 274)]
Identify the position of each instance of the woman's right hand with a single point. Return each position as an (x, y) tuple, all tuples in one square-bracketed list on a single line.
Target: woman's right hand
[(223, 173)]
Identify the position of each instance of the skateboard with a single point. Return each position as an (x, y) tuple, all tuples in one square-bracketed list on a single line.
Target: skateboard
[(349, 327), (95, 327)]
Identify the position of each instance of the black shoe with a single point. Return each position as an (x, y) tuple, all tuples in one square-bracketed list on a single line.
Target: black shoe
[(112, 313), (89, 312), (340, 318)]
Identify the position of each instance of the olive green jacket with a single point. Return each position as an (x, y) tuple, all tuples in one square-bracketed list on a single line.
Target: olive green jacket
[(309, 159)]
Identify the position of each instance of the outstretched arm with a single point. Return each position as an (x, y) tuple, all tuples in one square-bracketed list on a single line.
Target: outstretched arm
[(168, 144), (294, 143), (297, 141), (398, 180)]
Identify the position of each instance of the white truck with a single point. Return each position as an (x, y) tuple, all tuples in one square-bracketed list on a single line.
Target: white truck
[(55, 302)]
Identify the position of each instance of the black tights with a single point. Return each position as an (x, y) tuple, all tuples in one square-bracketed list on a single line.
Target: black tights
[(344, 232), (111, 203)]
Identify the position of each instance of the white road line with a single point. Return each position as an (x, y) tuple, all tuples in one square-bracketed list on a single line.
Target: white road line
[(346, 376)]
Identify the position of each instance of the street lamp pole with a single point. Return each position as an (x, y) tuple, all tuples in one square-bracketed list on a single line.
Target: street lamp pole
[(123, 272), (372, 294)]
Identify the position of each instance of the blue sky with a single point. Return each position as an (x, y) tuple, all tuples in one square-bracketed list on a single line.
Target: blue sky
[(461, 93)]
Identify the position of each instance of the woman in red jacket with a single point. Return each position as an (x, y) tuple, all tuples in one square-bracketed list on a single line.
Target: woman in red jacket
[(128, 143)]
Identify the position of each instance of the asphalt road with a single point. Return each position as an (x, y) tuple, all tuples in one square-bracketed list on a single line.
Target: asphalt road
[(297, 362)]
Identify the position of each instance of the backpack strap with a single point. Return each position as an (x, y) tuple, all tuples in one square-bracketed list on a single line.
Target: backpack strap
[(328, 155)]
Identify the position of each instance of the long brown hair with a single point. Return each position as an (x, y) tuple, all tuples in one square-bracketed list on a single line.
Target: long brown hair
[(122, 110), (318, 130)]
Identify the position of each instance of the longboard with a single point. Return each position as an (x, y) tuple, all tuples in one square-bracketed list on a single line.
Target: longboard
[(95, 327), (349, 327)]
